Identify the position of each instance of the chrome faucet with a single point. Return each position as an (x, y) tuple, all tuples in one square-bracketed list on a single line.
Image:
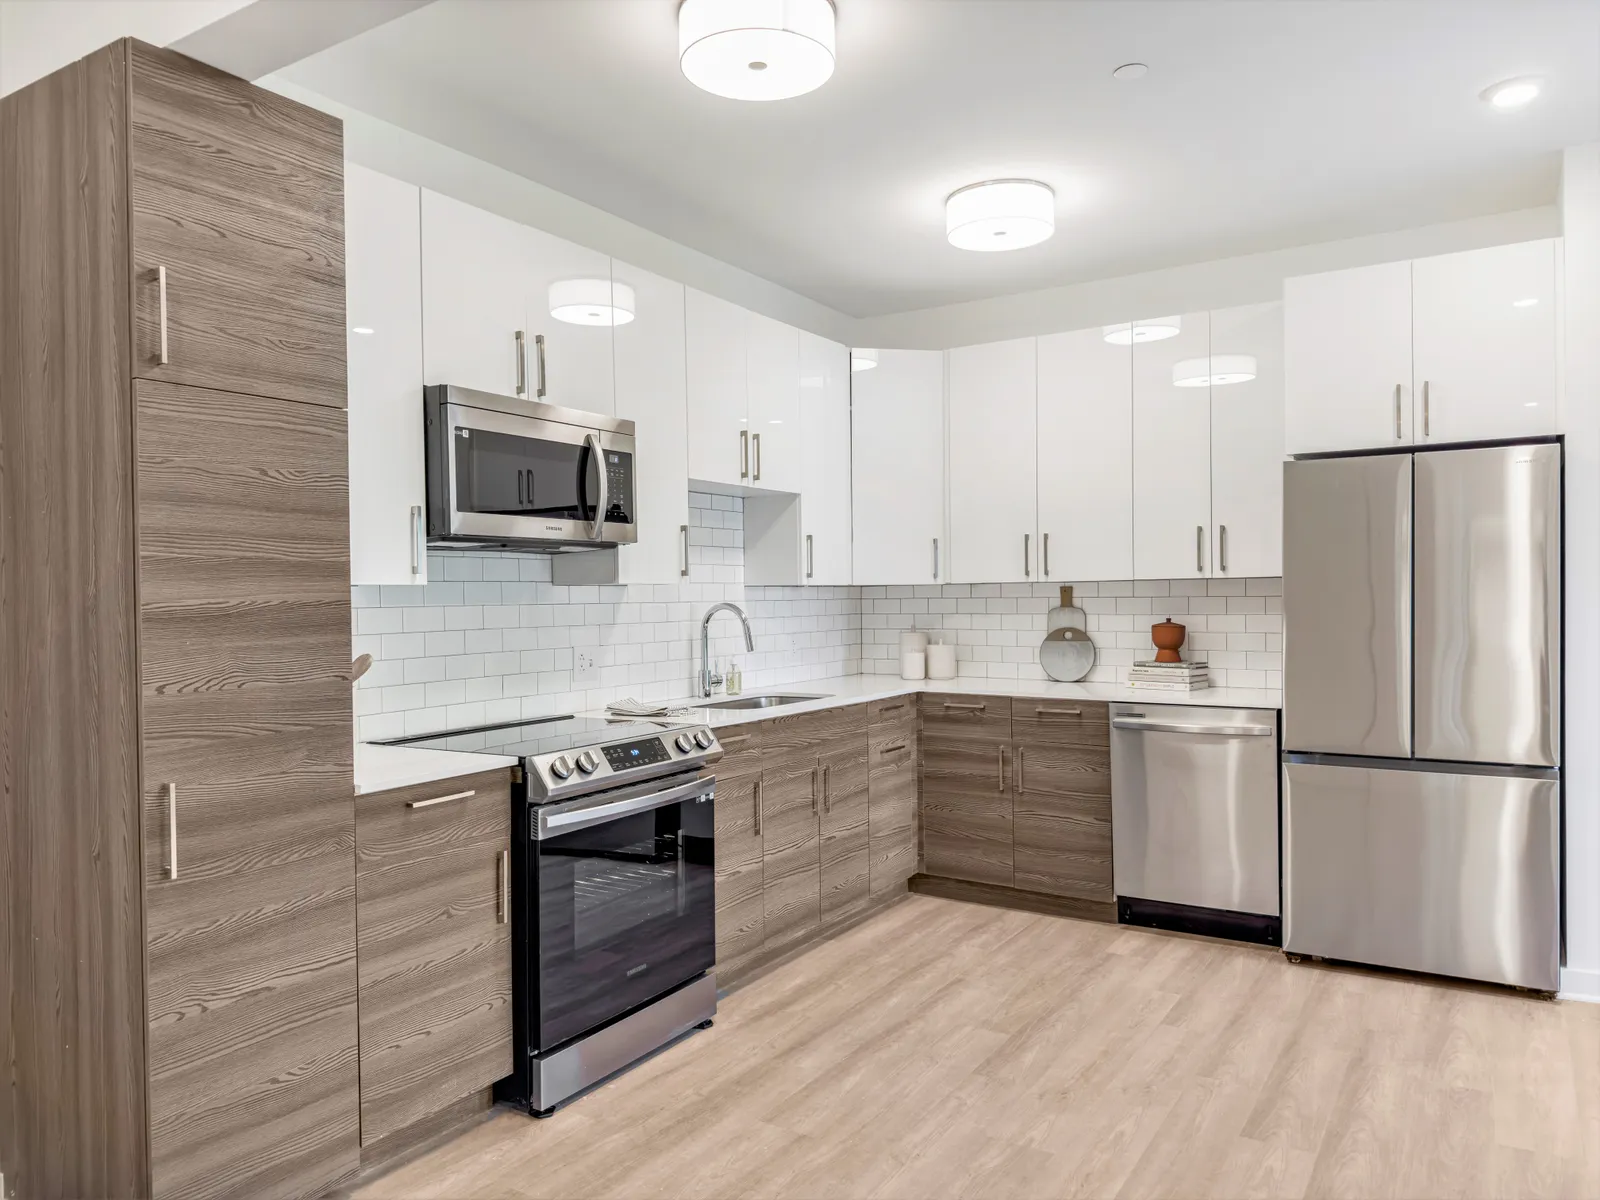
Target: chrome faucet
[(709, 680)]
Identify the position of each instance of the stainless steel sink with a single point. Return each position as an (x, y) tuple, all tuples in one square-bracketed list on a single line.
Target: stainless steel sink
[(742, 702)]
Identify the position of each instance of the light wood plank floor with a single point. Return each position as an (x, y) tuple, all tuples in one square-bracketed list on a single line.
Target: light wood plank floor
[(947, 1049)]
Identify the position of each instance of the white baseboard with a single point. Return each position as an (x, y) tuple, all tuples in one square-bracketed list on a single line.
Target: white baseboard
[(1580, 985)]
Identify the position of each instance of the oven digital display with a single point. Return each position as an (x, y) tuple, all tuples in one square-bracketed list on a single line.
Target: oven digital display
[(636, 754)]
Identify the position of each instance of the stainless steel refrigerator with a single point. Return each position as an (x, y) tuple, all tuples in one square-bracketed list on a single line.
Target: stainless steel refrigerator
[(1422, 711)]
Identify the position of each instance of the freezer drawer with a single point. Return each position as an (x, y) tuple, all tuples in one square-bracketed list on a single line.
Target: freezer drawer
[(1194, 806), (1448, 873)]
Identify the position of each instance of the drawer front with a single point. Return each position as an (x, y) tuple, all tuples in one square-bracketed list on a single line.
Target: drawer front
[(808, 734), (1062, 723), (895, 708), (967, 718), (741, 750), (433, 929)]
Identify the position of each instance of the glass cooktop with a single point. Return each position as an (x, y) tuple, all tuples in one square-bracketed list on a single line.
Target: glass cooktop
[(549, 735)]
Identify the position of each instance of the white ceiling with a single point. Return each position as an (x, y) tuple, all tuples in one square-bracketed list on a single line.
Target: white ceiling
[(1261, 124)]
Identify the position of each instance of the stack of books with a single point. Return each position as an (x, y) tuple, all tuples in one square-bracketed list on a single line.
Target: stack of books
[(1169, 677)]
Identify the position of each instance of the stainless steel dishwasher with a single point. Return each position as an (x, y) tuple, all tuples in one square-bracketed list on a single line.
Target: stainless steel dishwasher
[(1194, 809)]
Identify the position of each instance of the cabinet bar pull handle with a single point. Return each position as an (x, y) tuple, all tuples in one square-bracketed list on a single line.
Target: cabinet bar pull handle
[(161, 292), (1000, 769), (894, 749), (538, 357), (503, 899), (440, 800), (1199, 549), (735, 739), (965, 707), (1058, 712), (892, 707), (827, 800), (813, 789), (811, 558), (683, 532), (1222, 548), (522, 364), (1425, 406), (1397, 432), (1021, 787), (756, 792), (744, 454), (755, 439), (1027, 555), (416, 539), (172, 831), (1044, 549), (936, 558)]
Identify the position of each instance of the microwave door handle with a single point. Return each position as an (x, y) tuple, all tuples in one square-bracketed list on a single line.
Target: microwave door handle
[(592, 440)]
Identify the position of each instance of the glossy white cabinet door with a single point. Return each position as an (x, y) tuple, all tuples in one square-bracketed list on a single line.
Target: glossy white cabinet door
[(475, 303), (825, 461), (1172, 457), (1347, 357), (383, 305), (1085, 450), (1484, 341), (715, 339), (1247, 446), (652, 393), (773, 373), (572, 367), (993, 470), (897, 412)]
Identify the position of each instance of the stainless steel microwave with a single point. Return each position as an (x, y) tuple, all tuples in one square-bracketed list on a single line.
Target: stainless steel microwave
[(523, 475)]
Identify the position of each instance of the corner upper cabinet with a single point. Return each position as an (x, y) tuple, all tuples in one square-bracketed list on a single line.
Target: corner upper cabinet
[(1171, 453), (236, 218), (993, 472), (1247, 444), (1484, 343), (715, 337), (474, 330), (897, 470), (1085, 456), (383, 282), (1347, 359)]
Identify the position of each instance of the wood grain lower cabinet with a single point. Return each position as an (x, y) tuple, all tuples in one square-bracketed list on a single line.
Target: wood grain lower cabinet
[(892, 757), (741, 903), (791, 838), (433, 921), (966, 788), (845, 859), (1062, 807)]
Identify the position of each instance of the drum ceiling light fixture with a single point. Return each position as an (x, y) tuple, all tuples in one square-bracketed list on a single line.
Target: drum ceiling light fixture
[(756, 49)]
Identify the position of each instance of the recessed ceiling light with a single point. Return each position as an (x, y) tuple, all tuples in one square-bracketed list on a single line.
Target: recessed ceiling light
[(1130, 71), (360, 329), (1511, 93), (1129, 332), (1216, 371), (1525, 302), (1001, 214), (591, 302), (862, 360), (756, 49)]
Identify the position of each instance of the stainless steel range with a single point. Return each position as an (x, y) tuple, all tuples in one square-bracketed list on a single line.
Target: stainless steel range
[(613, 894)]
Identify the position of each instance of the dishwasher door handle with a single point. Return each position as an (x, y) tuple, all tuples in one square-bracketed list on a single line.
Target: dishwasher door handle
[(1144, 726)]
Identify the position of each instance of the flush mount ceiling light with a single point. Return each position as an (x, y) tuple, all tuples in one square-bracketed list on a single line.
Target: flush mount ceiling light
[(1001, 214), (756, 49), (1129, 332), (1130, 71), (862, 360), (591, 302), (1216, 371), (1511, 93)]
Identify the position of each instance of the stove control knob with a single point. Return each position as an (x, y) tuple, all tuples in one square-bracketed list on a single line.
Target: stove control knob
[(587, 762), (702, 738), (561, 767), (683, 742)]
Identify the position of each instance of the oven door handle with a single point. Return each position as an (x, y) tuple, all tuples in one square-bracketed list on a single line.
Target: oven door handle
[(567, 820)]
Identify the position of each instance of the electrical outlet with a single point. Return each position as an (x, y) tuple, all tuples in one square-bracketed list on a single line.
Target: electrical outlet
[(584, 669)]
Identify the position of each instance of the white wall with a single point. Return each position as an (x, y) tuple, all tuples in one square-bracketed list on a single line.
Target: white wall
[(40, 36), (1580, 204), (1223, 283)]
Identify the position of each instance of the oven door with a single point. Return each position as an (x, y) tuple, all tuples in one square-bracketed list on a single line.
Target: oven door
[(625, 901), (522, 479)]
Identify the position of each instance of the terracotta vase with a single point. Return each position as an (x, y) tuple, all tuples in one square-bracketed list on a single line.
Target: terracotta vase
[(1168, 638)]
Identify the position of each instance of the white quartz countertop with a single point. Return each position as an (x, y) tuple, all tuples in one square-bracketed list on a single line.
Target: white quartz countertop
[(382, 768), (859, 689)]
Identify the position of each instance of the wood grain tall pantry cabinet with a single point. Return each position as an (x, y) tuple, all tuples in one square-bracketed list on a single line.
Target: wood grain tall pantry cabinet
[(176, 828), (1460, 347)]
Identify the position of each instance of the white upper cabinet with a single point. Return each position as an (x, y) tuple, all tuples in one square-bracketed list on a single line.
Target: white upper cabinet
[(1085, 457), (475, 305), (569, 324), (716, 334), (773, 375), (652, 393), (1347, 359), (1484, 342), (383, 303), (897, 412), (825, 460), (1172, 454), (993, 471), (1247, 444)]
